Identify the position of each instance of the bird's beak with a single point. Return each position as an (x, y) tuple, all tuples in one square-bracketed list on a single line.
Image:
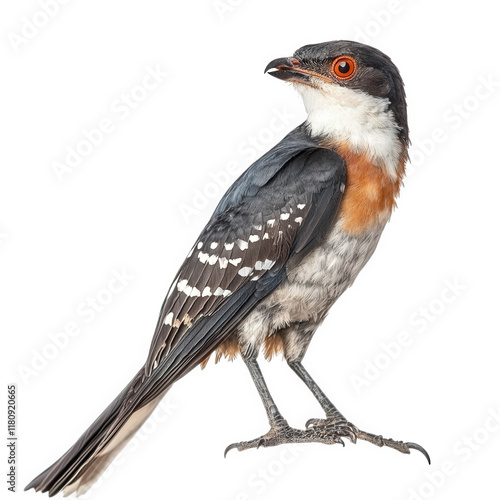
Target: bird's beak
[(291, 70)]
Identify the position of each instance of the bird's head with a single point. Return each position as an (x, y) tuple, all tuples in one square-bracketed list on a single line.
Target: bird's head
[(353, 94)]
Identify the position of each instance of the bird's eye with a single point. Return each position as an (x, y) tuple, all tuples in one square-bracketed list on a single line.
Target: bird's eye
[(344, 67)]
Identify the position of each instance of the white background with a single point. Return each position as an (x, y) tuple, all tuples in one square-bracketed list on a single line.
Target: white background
[(434, 275)]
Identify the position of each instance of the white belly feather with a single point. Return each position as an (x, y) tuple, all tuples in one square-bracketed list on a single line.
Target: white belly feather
[(313, 287)]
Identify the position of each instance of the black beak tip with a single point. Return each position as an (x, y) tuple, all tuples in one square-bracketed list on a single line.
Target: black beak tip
[(282, 61), (268, 67)]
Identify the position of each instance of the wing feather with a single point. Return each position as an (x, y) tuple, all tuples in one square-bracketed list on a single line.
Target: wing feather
[(255, 235)]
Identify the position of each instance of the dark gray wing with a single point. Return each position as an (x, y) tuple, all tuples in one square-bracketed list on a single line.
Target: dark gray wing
[(272, 216)]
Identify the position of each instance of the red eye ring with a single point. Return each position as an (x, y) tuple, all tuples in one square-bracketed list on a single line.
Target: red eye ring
[(344, 67)]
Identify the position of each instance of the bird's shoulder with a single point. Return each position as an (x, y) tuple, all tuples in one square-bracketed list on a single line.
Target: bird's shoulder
[(297, 145)]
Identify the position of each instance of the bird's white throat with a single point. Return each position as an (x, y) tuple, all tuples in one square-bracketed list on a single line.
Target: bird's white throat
[(354, 117)]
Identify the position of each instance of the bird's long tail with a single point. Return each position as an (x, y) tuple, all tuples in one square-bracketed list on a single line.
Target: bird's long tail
[(80, 467)]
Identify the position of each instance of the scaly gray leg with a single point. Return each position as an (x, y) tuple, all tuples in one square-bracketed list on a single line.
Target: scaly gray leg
[(281, 432)]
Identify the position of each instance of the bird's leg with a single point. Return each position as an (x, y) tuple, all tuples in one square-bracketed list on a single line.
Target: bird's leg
[(276, 421), (274, 416), (335, 422), (328, 431), (280, 432), (332, 414)]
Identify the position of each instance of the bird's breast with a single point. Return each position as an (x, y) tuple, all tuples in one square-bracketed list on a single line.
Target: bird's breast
[(323, 276), (370, 194)]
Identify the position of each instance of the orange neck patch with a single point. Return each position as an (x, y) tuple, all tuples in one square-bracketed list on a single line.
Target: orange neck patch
[(370, 193)]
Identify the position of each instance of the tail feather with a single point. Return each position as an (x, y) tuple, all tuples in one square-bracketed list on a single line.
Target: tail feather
[(80, 467), (94, 468)]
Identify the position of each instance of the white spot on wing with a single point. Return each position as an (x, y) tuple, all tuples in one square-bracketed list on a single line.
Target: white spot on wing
[(264, 266), (242, 244), (223, 262), (299, 220), (206, 292), (268, 264), (190, 291), (200, 245), (228, 246), (254, 238), (235, 262), (182, 285), (214, 245), (271, 222), (245, 271), (213, 259), (266, 236), (203, 257), (301, 206), (224, 293), (169, 318)]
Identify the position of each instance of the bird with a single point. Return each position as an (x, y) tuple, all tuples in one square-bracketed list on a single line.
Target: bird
[(286, 240)]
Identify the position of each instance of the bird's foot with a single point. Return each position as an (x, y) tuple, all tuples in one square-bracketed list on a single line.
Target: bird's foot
[(334, 425), (288, 435), (330, 423)]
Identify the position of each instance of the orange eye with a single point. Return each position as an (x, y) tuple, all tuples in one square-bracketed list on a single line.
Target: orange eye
[(344, 67)]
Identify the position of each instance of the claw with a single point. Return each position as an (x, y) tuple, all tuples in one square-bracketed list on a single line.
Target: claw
[(422, 450), (348, 429), (229, 448), (312, 421), (352, 437)]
